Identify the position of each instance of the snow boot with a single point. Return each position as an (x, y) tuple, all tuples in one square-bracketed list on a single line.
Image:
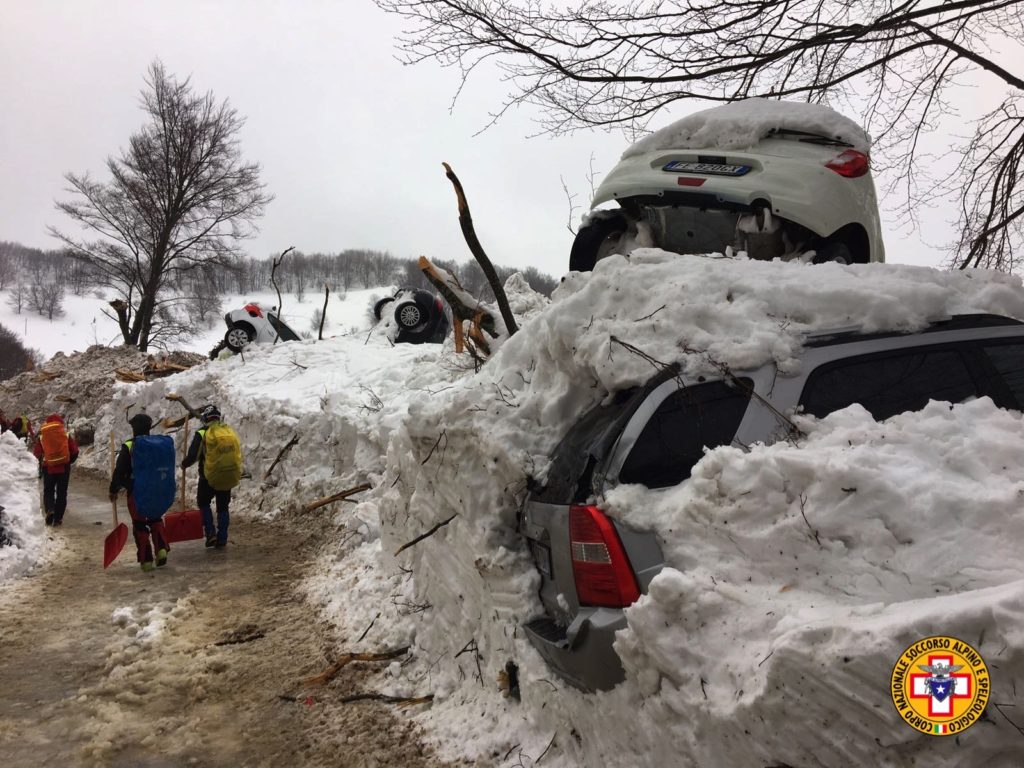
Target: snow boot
[(211, 541), (147, 566), (161, 557)]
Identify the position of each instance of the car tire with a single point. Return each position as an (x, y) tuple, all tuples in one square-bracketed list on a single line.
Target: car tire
[(421, 319), (378, 308), (239, 336), (410, 316), (591, 236)]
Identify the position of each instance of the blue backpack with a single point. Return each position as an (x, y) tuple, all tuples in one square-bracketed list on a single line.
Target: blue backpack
[(153, 467)]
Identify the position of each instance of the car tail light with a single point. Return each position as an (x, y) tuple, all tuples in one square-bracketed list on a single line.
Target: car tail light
[(689, 181), (850, 164), (603, 574)]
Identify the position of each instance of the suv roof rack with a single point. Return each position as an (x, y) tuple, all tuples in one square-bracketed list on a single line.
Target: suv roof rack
[(954, 323)]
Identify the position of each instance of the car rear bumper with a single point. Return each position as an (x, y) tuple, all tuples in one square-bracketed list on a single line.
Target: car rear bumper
[(582, 653)]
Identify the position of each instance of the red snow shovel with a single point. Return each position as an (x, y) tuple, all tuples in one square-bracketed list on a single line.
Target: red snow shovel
[(186, 525), (115, 540)]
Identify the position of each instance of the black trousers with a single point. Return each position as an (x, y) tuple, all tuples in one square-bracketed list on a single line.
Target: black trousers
[(55, 493), (205, 494)]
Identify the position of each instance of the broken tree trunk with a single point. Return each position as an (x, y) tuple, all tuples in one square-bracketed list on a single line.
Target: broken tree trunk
[(323, 312), (176, 398), (345, 659), (468, 231), (343, 495), (402, 701), (123, 374), (423, 536), (294, 441), (273, 281), (464, 307)]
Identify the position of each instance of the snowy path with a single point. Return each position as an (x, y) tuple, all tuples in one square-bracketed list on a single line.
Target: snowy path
[(122, 668)]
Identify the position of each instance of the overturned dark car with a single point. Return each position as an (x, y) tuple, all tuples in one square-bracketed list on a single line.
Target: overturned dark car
[(419, 316)]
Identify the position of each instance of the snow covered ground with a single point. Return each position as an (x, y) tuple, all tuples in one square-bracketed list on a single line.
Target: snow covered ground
[(85, 324), (736, 657)]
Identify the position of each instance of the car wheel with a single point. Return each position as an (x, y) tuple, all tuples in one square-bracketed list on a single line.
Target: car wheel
[(378, 308), (587, 247), (409, 315), (239, 336)]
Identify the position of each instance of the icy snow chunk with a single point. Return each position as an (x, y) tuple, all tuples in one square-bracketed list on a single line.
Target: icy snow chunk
[(122, 617)]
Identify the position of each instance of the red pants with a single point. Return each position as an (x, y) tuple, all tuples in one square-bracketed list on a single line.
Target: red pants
[(142, 529)]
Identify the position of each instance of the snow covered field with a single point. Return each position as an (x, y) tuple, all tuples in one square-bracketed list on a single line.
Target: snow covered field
[(85, 324), (738, 656)]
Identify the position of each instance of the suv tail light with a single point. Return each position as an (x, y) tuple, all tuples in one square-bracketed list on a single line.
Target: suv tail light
[(850, 164), (603, 574)]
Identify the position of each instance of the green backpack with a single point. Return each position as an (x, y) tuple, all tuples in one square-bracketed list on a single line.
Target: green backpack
[(222, 460)]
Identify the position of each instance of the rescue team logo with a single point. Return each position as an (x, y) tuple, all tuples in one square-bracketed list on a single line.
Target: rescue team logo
[(940, 686)]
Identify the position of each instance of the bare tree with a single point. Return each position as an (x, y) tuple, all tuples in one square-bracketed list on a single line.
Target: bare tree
[(8, 267), (204, 303), (46, 296), (179, 197), (18, 296), (617, 62)]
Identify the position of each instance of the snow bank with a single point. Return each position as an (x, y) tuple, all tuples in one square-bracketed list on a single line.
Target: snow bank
[(805, 570), (742, 124), (22, 521), (795, 662), (462, 461)]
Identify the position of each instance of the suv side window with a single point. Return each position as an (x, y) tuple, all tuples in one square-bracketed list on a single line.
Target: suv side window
[(889, 383), (687, 421), (1008, 359)]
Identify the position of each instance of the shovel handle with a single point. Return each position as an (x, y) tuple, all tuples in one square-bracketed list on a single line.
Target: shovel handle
[(113, 505)]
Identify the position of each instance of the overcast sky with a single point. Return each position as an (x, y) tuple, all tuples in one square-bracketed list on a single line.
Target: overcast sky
[(351, 142)]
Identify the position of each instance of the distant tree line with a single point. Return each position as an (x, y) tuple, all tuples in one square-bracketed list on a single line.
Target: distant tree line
[(15, 358), (38, 280)]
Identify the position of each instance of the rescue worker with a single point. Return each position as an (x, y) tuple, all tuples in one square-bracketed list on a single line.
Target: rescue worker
[(56, 451), (224, 459), (149, 535), (21, 426)]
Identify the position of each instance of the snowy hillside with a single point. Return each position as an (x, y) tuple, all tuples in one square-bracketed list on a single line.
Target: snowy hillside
[(737, 657), (85, 324)]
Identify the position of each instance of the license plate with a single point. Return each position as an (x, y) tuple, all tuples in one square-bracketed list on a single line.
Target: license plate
[(707, 169), (542, 557)]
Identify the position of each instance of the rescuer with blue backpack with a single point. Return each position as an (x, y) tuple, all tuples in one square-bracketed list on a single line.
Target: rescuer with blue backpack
[(217, 449), (146, 469)]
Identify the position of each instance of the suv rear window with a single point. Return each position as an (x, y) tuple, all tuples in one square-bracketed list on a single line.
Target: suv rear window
[(687, 421), (1009, 361), (890, 383)]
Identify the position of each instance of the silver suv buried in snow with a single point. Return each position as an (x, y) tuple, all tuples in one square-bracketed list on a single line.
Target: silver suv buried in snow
[(592, 567)]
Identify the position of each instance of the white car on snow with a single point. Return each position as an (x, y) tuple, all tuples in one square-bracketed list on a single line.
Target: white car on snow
[(253, 325), (774, 179)]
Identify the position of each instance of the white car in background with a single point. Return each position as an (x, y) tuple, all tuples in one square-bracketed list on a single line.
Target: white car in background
[(774, 179)]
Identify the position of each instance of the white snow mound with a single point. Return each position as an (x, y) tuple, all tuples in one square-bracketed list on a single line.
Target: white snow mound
[(22, 521)]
